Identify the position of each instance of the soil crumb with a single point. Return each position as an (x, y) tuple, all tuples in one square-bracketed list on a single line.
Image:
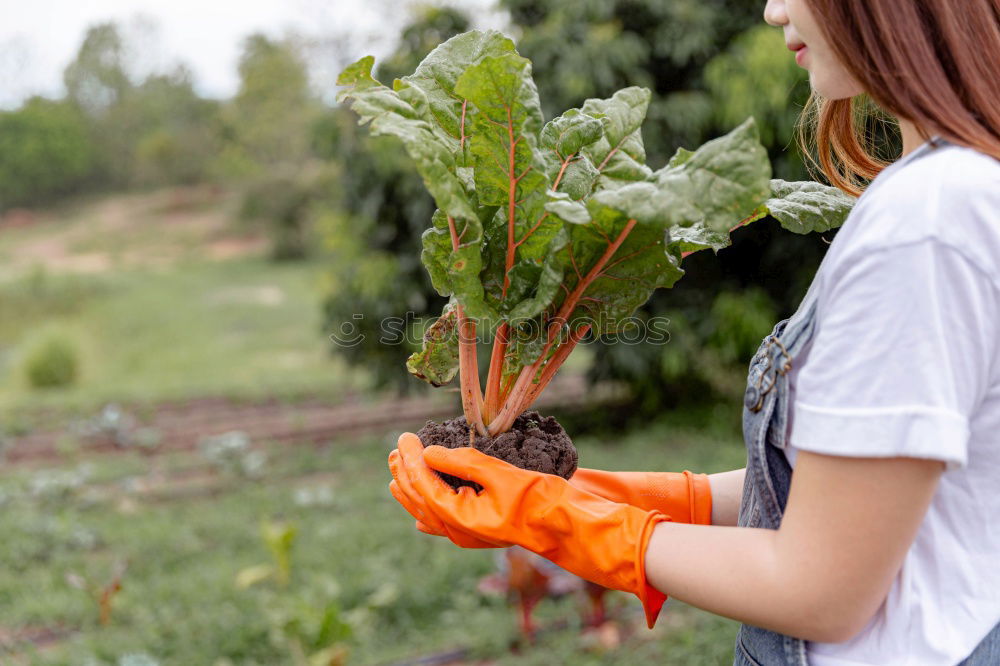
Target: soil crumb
[(534, 442)]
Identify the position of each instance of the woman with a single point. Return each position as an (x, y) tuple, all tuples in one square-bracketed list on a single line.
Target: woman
[(882, 392)]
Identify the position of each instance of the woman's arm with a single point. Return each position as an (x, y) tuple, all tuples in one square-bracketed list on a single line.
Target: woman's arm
[(846, 529), (727, 491)]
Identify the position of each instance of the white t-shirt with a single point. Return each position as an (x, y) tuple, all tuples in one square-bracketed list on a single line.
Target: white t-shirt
[(904, 362)]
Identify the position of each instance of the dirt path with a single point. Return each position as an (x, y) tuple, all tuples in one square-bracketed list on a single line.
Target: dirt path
[(182, 425)]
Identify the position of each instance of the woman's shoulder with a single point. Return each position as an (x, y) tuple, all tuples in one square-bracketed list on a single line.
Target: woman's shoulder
[(949, 195)]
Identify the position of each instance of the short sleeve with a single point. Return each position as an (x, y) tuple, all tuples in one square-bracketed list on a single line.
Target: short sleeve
[(901, 357)]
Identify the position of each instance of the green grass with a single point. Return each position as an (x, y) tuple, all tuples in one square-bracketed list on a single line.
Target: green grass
[(361, 575), (242, 328)]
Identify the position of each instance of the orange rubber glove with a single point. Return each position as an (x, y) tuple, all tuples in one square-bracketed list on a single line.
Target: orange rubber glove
[(684, 496), (597, 539), (427, 522)]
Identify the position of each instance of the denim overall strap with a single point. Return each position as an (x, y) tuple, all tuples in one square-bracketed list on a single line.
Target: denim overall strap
[(768, 474), (768, 479), (987, 653)]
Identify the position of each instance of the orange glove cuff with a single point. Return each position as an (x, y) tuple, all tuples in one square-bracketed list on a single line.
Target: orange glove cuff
[(685, 497), (652, 599), (700, 490)]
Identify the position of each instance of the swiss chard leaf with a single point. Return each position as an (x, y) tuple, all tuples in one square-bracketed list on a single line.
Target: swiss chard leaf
[(456, 271), (719, 183), (433, 84), (388, 113), (806, 206), (511, 173), (565, 136), (619, 155), (437, 361)]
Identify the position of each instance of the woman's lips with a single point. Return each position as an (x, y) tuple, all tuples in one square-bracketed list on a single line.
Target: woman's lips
[(801, 54)]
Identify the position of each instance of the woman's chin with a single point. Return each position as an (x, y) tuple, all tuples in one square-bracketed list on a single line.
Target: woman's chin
[(833, 90)]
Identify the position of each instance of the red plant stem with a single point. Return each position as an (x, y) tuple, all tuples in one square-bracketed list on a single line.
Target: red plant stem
[(492, 400), (562, 170), (508, 384), (520, 397), (468, 366), (558, 358)]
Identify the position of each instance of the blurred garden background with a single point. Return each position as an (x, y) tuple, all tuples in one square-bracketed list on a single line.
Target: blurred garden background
[(194, 471)]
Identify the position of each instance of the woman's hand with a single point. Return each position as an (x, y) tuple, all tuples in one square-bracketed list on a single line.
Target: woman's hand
[(598, 540)]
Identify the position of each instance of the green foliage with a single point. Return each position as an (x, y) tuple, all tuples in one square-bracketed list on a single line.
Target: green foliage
[(373, 239), (805, 207), (288, 201), (97, 77), (267, 124), (739, 321), (143, 132), (756, 75), (591, 48), (505, 236), (52, 363), (280, 537), (45, 152), (177, 135)]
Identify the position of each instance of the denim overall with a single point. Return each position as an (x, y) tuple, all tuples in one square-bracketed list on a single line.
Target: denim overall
[(768, 473)]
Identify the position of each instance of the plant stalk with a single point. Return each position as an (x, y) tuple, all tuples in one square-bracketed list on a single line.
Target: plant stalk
[(521, 396), (468, 365), (492, 399)]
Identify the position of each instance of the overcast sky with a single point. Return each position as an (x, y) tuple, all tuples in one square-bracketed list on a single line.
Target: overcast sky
[(38, 38)]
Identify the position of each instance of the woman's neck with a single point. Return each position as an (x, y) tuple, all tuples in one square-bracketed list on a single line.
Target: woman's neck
[(912, 138)]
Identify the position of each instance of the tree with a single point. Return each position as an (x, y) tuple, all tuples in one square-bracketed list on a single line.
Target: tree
[(178, 134), (97, 77), (45, 152), (267, 123), (148, 130)]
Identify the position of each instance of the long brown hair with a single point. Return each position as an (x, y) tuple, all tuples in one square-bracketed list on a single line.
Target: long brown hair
[(935, 63)]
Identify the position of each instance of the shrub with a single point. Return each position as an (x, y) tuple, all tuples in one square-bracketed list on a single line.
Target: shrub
[(52, 363)]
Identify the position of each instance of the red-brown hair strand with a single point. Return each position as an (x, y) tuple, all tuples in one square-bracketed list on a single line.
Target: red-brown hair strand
[(935, 63)]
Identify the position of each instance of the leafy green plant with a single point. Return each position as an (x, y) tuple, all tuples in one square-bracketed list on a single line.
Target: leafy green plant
[(53, 363), (548, 232)]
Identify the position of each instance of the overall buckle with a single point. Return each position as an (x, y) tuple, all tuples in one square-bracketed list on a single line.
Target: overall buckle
[(754, 398)]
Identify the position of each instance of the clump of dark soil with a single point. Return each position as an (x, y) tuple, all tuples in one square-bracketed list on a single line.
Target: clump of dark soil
[(534, 442)]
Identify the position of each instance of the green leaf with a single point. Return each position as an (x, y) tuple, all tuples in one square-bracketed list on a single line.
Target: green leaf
[(806, 206), (564, 136), (697, 237), (437, 361), (511, 174), (680, 157), (619, 155), (547, 281), (642, 263), (388, 113), (717, 184), (432, 85), (567, 209), (456, 272), (568, 133)]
